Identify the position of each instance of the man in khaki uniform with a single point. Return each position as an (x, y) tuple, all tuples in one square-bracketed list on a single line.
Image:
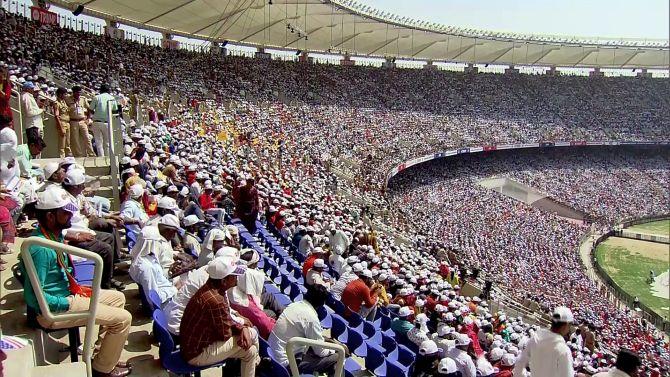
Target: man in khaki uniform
[(79, 140), (62, 114)]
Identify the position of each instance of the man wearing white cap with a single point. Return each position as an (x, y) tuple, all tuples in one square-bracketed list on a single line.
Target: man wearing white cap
[(54, 212), (209, 333), (133, 214), (157, 239), (191, 242), (147, 272), (300, 319), (245, 298), (104, 241), (547, 353), (345, 279), (360, 296), (315, 274), (307, 242), (188, 285), (460, 356)]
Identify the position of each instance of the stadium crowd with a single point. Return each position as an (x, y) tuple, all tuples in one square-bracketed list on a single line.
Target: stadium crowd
[(195, 162)]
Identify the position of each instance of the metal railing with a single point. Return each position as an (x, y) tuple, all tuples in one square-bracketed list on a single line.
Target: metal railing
[(89, 314), (298, 341)]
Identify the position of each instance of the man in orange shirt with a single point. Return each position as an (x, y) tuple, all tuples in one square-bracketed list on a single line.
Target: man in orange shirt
[(360, 296)]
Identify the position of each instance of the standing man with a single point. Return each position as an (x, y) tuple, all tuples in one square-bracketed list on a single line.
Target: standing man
[(547, 353), (54, 212), (31, 111), (100, 111), (62, 115), (79, 140)]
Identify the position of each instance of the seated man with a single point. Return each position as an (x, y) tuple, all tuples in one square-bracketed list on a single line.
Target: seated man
[(188, 285), (54, 212), (209, 333), (156, 239), (245, 298), (24, 155), (191, 241), (316, 275), (146, 270), (419, 333), (133, 214), (360, 296), (84, 221), (402, 325), (300, 319)]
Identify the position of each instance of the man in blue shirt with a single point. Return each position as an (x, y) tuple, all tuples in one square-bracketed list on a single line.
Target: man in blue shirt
[(55, 273)]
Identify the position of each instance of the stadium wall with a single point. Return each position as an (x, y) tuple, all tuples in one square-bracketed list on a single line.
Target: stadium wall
[(500, 147), (624, 297)]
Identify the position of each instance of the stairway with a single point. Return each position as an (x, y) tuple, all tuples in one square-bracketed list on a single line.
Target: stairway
[(99, 169)]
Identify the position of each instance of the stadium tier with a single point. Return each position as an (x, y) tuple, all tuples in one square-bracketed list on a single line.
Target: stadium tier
[(267, 180)]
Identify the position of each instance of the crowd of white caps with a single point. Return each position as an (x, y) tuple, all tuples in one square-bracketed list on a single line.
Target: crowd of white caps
[(377, 118)]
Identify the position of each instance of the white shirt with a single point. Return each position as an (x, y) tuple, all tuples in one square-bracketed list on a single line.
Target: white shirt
[(174, 309), (150, 241), (147, 272), (306, 244), (298, 319), (32, 114), (8, 145), (547, 355), (463, 361), (341, 284), (191, 242), (249, 284), (339, 242), (336, 262), (132, 209)]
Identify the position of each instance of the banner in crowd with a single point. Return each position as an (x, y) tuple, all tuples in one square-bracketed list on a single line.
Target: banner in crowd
[(43, 16)]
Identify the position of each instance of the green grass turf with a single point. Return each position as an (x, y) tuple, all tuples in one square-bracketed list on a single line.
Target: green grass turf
[(630, 272), (656, 227)]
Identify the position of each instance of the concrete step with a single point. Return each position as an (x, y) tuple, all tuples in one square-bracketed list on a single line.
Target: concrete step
[(94, 166)]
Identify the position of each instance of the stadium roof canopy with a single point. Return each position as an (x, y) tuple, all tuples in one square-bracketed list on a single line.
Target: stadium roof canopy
[(345, 26)]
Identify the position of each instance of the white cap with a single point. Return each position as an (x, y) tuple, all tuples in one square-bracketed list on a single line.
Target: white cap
[(405, 311), (496, 354), (563, 315), (184, 191), (428, 347), (462, 340), (191, 220), (227, 251), (221, 267), (319, 263), (367, 274), (444, 330), (357, 267), (447, 366), (54, 197), (167, 203), (172, 188), (136, 191), (170, 220), (160, 184), (508, 359), (50, 168), (74, 177)]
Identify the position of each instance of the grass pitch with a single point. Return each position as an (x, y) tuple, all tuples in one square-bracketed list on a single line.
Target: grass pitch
[(628, 263), (661, 228)]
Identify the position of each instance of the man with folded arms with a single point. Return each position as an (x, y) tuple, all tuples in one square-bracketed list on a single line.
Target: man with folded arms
[(54, 271)]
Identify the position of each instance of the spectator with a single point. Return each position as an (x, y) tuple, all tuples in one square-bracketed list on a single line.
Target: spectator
[(31, 111), (460, 356), (546, 352), (99, 109), (54, 212), (209, 334), (360, 296), (300, 319), (80, 143)]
